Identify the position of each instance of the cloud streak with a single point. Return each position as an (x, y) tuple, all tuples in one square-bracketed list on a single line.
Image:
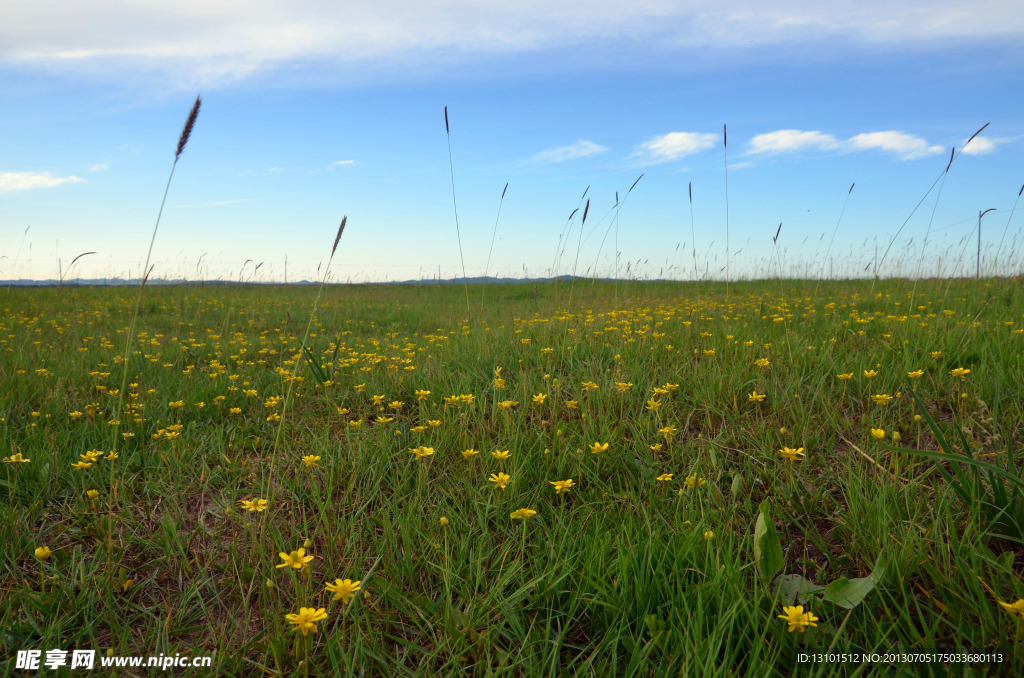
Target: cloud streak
[(222, 40), (900, 144), (673, 146), (580, 149), (11, 182)]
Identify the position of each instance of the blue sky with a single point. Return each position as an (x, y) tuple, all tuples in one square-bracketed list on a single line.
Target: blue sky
[(312, 111)]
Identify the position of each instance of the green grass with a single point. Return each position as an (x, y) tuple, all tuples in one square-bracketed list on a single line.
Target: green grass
[(615, 577)]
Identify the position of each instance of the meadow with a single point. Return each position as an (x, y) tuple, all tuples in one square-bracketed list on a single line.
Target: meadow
[(572, 479)]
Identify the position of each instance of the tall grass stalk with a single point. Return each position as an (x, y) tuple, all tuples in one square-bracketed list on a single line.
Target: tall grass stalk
[(725, 156), (494, 235), (834, 231), (455, 204), (919, 202), (995, 266), (299, 357), (183, 138)]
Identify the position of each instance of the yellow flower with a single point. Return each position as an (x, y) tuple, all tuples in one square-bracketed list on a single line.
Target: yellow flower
[(508, 404), (539, 398), (916, 374), (522, 514), (297, 559), (396, 404), (434, 423), (562, 485), (656, 447), (572, 404), (500, 480), (598, 447), (896, 437), (870, 373), (798, 619), (959, 372), (235, 410), (710, 351), (422, 395), (792, 454), (42, 552), (667, 431), (344, 589), (422, 451), (1012, 608), (882, 399), (695, 481), (378, 399), (935, 354), (355, 423), (112, 456), (75, 415), (878, 433), (589, 386), (92, 494), (81, 465), (470, 452), (762, 362), (384, 420), (653, 405), (305, 620), (501, 455), (257, 505), (623, 386), (665, 477), (844, 377), (310, 460), (709, 535), (18, 459), (756, 397)]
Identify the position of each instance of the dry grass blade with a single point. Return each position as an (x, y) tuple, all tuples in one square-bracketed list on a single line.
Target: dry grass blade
[(186, 131), (585, 210), (341, 229)]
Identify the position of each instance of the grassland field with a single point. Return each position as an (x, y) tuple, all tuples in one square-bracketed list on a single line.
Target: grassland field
[(733, 452)]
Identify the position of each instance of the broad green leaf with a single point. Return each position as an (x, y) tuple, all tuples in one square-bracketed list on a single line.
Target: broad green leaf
[(767, 547), (848, 593), (795, 590)]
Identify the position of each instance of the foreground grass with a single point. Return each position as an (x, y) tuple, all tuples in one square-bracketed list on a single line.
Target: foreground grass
[(624, 574)]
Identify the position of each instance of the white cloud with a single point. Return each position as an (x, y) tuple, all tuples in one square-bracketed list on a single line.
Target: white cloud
[(209, 41), (906, 146), (902, 145), (341, 163), (790, 140), (674, 145), (580, 149), (24, 181), (980, 146), (101, 167)]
